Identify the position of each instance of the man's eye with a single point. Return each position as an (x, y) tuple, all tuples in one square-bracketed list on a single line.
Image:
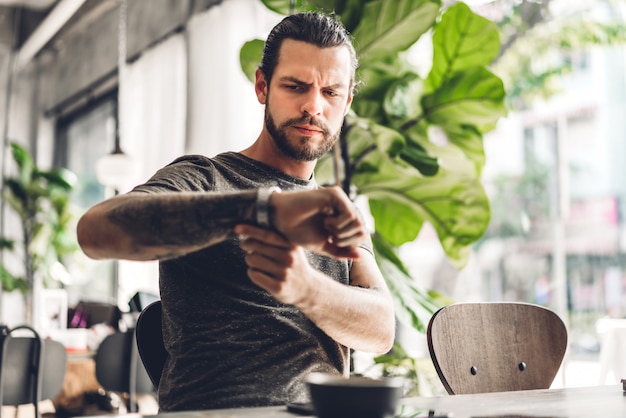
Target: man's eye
[(292, 87), (332, 93)]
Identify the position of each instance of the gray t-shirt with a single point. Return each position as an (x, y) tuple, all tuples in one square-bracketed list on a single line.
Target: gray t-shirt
[(230, 343)]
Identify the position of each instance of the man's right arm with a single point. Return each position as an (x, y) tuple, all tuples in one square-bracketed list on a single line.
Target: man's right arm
[(139, 226)]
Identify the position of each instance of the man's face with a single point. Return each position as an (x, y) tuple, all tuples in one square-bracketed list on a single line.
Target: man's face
[(307, 99)]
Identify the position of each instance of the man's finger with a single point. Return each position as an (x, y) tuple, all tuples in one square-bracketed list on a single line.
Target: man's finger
[(261, 234)]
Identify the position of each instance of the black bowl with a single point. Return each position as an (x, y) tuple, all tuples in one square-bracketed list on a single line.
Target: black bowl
[(335, 396)]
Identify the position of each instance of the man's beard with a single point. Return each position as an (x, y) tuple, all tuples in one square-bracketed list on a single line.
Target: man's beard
[(303, 151)]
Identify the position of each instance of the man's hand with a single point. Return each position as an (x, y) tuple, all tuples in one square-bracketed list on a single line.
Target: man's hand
[(322, 220), (366, 320), (276, 265)]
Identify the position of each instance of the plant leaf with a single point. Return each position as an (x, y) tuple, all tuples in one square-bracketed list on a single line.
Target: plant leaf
[(469, 140), (388, 27), (59, 177), (456, 206), (419, 158), (461, 40), (250, 56), (283, 7), (25, 163), (402, 100), (376, 76), (473, 97), (10, 282), (390, 217), (414, 306)]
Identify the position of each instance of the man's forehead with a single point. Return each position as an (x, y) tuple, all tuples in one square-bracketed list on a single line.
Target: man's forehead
[(303, 60)]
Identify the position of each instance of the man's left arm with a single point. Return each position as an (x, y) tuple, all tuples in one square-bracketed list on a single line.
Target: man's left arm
[(359, 316), (368, 321)]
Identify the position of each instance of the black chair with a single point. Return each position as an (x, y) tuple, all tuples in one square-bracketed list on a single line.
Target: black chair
[(31, 369), (118, 368), (149, 336)]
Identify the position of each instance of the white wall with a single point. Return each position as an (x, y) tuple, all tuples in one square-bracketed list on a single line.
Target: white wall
[(224, 114)]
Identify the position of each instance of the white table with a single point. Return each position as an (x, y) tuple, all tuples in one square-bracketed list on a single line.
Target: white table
[(606, 401)]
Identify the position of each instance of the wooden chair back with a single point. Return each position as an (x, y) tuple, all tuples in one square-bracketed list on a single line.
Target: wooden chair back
[(496, 347), (149, 335)]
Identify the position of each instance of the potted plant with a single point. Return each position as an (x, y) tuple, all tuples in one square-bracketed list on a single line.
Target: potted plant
[(39, 200)]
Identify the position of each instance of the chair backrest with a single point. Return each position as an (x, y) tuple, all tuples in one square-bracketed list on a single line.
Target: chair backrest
[(118, 368), (30, 366), (496, 347), (149, 334)]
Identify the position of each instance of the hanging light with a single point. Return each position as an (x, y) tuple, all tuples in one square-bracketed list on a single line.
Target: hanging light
[(117, 168)]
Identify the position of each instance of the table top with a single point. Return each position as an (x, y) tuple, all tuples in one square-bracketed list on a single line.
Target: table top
[(606, 401)]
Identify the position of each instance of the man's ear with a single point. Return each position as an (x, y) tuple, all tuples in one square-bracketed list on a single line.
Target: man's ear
[(261, 86), (348, 104)]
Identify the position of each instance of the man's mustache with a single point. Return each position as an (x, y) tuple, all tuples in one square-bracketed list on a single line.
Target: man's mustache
[(308, 120)]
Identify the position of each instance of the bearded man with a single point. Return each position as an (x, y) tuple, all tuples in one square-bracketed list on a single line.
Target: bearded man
[(265, 277)]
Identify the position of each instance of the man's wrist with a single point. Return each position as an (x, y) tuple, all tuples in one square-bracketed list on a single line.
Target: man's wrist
[(263, 215)]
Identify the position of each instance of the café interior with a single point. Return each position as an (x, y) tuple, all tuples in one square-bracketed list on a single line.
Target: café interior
[(112, 90)]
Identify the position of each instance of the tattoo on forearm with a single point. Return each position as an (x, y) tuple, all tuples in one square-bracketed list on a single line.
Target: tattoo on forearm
[(183, 219)]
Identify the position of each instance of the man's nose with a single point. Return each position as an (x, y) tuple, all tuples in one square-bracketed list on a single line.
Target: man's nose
[(312, 104)]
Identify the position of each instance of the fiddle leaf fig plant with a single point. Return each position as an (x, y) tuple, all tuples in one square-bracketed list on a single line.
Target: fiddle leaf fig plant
[(411, 144)]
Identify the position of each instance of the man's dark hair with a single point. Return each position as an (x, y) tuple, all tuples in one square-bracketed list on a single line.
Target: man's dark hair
[(314, 28)]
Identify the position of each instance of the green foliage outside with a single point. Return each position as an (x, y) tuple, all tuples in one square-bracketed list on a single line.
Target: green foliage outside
[(413, 145), (539, 46)]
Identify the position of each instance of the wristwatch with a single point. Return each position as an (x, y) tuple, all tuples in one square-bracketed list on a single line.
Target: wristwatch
[(263, 205)]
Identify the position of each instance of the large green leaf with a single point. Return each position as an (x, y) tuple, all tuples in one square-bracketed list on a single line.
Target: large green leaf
[(462, 40), (474, 97), (388, 27), (455, 204), (250, 57), (395, 220)]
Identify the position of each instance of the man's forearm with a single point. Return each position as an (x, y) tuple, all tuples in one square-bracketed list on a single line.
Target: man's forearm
[(148, 227), (358, 318)]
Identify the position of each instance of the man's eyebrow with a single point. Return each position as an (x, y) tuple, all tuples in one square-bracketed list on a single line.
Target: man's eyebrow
[(293, 80), (303, 83)]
